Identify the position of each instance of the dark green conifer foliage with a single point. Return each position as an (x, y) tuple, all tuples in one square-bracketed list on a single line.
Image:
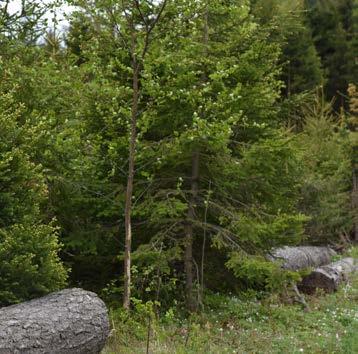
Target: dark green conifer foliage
[(332, 24), (325, 154), (79, 34), (301, 63), (29, 262), (301, 69), (27, 24)]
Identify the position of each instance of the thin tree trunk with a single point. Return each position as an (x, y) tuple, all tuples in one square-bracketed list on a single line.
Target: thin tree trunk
[(355, 203), (137, 66), (195, 163), (129, 192), (204, 79), (188, 262), (202, 286)]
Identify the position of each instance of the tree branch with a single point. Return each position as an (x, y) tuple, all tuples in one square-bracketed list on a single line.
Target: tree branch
[(118, 31), (151, 27), (136, 2)]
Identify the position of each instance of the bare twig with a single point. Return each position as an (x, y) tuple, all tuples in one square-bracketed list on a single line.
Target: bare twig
[(149, 332), (118, 31), (300, 298), (204, 242)]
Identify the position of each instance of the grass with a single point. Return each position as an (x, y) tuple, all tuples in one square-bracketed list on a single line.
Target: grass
[(231, 325)]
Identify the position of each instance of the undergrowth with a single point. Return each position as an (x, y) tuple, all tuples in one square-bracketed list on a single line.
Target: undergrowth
[(229, 324)]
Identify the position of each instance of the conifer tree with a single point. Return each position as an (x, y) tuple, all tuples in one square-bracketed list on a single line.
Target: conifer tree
[(331, 23), (29, 262)]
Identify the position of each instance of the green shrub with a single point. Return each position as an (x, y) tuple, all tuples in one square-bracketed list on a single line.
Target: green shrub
[(29, 264), (257, 273)]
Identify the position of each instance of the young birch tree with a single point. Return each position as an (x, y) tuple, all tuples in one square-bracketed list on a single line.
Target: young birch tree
[(147, 22), (132, 24)]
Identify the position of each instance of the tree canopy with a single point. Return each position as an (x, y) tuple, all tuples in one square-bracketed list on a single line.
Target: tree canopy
[(187, 138)]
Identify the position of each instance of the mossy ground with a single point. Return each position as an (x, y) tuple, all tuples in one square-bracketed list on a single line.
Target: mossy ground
[(233, 325)]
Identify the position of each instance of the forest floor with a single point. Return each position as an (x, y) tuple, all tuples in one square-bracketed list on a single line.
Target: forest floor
[(233, 325)]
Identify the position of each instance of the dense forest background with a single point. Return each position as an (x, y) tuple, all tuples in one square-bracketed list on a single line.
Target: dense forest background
[(244, 139)]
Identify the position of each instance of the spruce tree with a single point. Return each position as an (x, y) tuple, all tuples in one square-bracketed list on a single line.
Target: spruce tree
[(29, 262), (331, 24)]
